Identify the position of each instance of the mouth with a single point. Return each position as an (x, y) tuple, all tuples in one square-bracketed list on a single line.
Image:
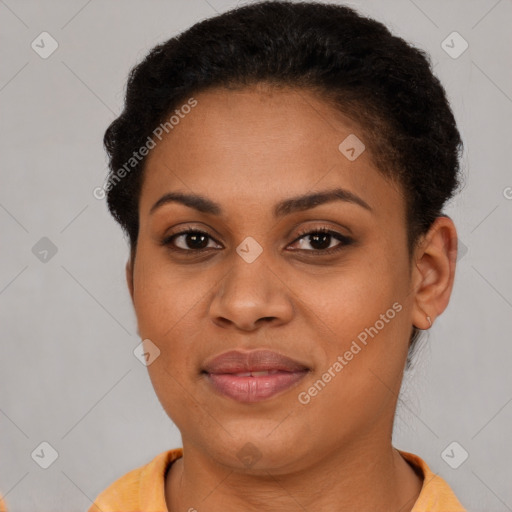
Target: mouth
[(249, 377)]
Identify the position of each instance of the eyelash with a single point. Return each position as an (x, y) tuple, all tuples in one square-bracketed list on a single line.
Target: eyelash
[(345, 241)]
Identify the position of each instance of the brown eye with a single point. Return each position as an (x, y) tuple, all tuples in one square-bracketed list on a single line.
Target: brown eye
[(193, 241), (321, 240), (190, 241)]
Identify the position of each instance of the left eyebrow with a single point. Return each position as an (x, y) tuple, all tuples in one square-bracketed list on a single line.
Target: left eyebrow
[(308, 201), (285, 207)]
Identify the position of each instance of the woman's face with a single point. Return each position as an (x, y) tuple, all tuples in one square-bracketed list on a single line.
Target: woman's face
[(338, 305)]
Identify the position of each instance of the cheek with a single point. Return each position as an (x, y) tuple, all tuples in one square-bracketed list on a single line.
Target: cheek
[(166, 310), (366, 308), (170, 305), (165, 296), (361, 291), (363, 358), (367, 328)]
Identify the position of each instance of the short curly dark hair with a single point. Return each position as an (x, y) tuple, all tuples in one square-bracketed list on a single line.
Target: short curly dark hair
[(352, 62)]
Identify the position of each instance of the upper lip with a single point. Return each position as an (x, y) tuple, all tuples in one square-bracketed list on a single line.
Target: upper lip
[(236, 361)]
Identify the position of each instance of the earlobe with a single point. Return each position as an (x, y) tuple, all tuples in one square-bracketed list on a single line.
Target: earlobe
[(434, 272)]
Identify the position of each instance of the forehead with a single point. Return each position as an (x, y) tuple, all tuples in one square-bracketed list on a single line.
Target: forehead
[(261, 144)]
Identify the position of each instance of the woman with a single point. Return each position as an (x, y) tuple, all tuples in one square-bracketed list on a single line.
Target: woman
[(280, 171)]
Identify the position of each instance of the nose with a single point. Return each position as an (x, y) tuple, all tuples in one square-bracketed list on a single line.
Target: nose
[(251, 295)]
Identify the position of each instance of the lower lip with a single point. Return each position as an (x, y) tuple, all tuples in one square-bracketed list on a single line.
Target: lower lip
[(254, 389)]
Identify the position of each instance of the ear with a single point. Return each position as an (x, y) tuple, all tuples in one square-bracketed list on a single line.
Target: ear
[(129, 276), (434, 272)]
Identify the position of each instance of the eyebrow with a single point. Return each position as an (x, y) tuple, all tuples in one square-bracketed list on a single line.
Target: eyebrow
[(285, 207)]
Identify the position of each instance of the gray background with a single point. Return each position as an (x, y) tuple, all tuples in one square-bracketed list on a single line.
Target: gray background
[(68, 375)]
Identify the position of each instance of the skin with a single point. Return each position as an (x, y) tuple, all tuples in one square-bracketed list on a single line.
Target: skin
[(247, 150)]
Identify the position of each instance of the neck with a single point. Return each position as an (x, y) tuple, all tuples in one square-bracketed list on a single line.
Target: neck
[(366, 477)]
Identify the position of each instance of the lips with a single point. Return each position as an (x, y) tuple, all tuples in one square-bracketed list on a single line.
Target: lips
[(236, 361), (252, 376)]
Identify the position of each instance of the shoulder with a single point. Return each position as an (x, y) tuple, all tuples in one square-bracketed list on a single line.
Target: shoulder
[(3, 506), (142, 488), (436, 495)]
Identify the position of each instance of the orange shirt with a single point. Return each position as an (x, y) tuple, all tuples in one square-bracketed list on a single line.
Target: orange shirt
[(3, 507), (144, 488)]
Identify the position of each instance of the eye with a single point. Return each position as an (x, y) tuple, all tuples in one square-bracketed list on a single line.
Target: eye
[(196, 241), (321, 239), (191, 240)]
